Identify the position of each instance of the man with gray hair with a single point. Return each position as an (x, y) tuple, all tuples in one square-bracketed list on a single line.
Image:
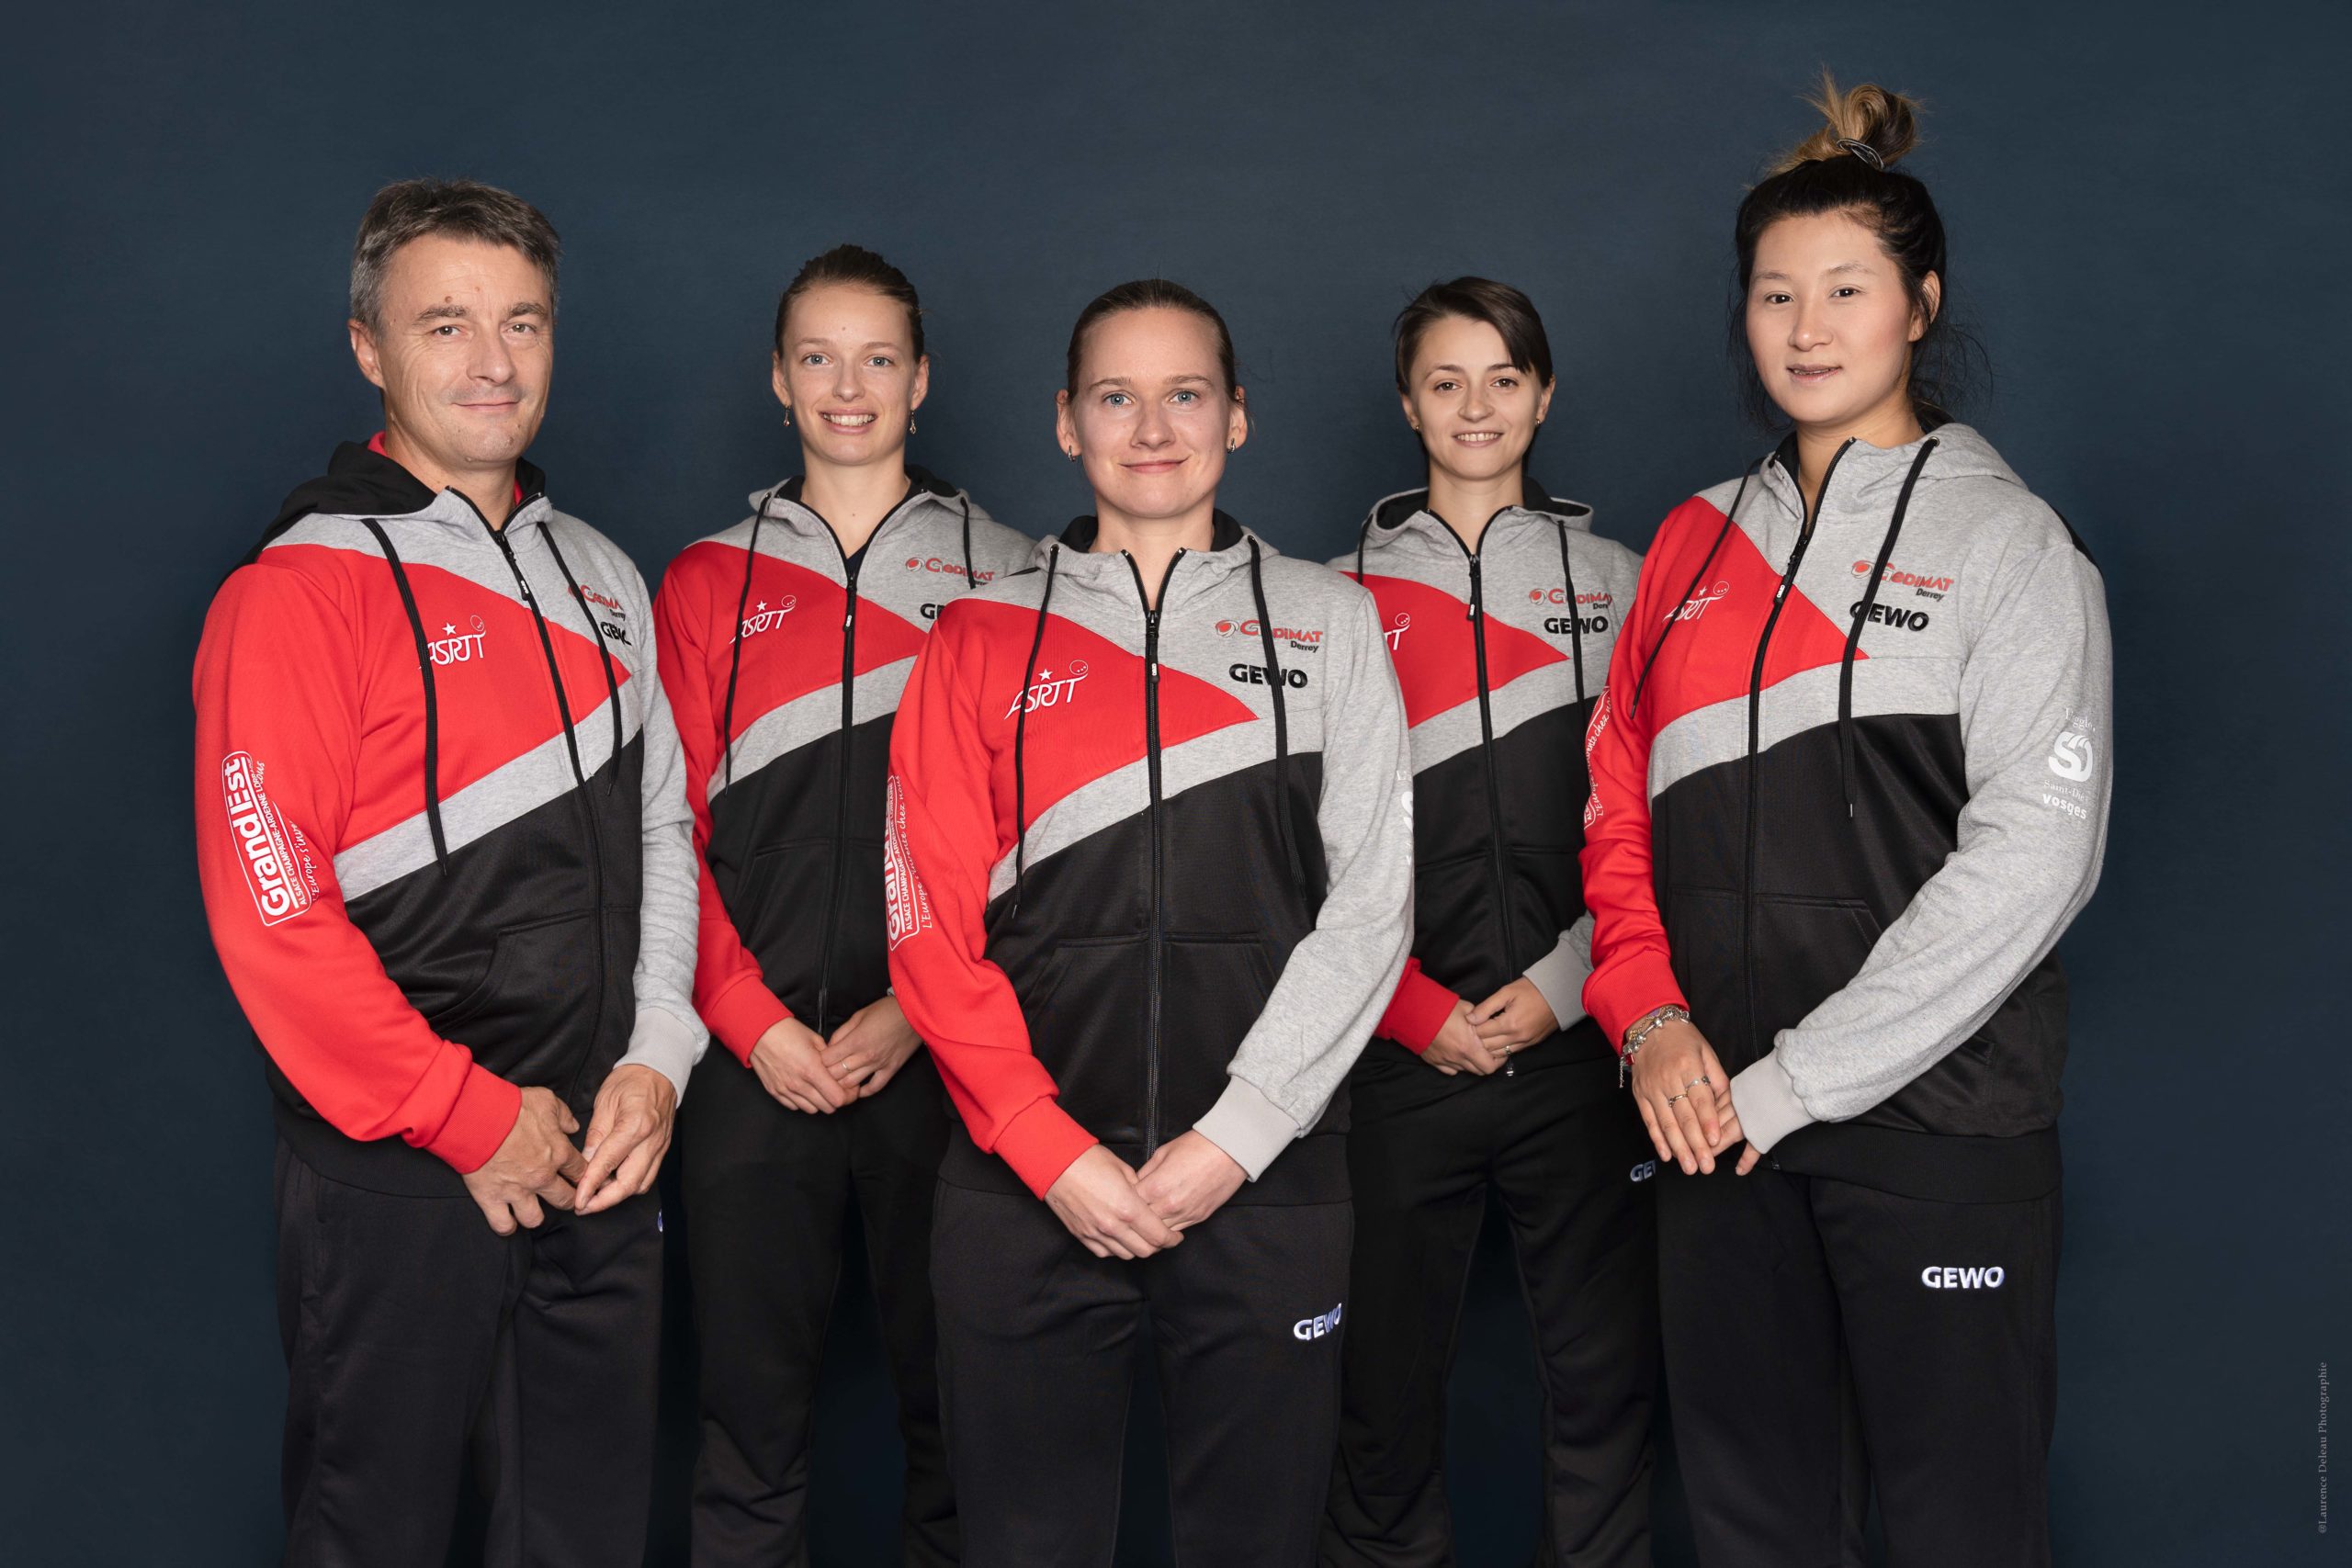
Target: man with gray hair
[(447, 864)]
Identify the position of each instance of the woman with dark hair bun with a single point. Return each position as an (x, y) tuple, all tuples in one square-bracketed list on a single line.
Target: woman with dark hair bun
[(1149, 863), (785, 642), (1501, 608), (1849, 784)]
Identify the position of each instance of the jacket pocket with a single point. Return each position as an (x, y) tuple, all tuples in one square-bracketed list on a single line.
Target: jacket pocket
[(1088, 1011), (1216, 989), (781, 916), (1806, 949), (535, 1009)]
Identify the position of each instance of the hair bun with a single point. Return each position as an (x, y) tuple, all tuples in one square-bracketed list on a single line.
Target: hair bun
[(1865, 121)]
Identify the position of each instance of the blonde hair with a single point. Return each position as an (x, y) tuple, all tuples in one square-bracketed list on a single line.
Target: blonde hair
[(1864, 116)]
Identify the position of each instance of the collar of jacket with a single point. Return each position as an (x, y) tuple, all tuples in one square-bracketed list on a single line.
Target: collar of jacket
[(1107, 571), (1407, 515), (1862, 488), (782, 503), (363, 483)]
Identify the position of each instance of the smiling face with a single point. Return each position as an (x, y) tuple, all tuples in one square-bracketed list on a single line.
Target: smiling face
[(1476, 410), (1830, 324), (463, 349), (847, 370), (1151, 417)]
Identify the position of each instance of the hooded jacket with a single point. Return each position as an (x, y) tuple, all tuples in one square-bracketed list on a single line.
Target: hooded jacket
[(1501, 653), (1149, 869), (1850, 783), (441, 820), (784, 660)]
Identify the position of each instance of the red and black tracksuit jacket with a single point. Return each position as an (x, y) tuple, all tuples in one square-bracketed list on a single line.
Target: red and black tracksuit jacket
[(784, 660), (1148, 868), (1849, 784), (1501, 653), (441, 820)]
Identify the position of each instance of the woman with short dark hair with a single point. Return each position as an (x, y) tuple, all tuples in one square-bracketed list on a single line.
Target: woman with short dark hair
[(1500, 607)]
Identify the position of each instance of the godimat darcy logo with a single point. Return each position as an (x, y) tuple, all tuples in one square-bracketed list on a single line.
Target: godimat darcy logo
[(273, 871)]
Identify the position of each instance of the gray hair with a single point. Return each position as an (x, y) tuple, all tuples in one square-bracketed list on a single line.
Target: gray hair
[(409, 210)]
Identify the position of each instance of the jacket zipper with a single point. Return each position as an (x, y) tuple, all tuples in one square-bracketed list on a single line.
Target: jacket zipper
[(1754, 725), (1152, 767), (1486, 757), (571, 744), (849, 718)]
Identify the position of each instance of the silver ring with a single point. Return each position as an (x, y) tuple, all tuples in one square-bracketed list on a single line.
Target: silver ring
[(1694, 1083), (1673, 1100)]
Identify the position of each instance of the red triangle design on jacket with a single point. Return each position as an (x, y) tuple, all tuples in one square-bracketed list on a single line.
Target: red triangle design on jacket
[(1086, 705), (1430, 638), (1710, 647)]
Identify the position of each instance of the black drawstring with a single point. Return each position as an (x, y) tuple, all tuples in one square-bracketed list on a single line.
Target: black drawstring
[(1698, 576), (1576, 626), (1363, 534), (1021, 732), (432, 703), (1854, 634), (735, 651), (971, 578), (612, 681), (1281, 722)]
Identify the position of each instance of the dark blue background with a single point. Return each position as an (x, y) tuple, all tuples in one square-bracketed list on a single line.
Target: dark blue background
[(2150, 231)]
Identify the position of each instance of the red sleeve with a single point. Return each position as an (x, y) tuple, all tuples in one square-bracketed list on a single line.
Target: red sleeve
[(692, 642), (278, 728), (943, 837), (1418, 1010), (1631, 972)]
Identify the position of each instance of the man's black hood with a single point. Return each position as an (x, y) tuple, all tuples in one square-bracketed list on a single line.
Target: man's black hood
[(362, 482)]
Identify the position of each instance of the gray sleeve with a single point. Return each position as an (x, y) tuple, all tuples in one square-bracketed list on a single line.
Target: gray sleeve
[(1559, 975), (2034, 701), (667, 1035), (1341, 976)]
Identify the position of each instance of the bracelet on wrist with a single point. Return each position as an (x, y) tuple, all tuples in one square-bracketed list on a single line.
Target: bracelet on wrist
[(1639, 1031)]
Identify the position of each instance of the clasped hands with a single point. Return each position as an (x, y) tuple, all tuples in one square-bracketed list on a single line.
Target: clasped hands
[(1479, 1040), (537, 1167), (1685, 1099), (1116, 1210)]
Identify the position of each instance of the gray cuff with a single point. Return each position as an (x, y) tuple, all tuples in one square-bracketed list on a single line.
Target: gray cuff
[(1767, 1102), (1248, 1126), (666, 1045), (1559, 975)]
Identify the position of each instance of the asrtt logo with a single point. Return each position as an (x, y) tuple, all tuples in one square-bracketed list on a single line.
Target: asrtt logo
[(1690, 609), (1316, 1327), (453, 647), (1395, 636), (766, 617), (1048, 692)]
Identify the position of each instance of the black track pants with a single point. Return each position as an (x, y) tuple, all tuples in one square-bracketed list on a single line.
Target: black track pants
[(1037, 1347), (1566, 1153), (1824, 1338), (767, 1195), (416, 1336)]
